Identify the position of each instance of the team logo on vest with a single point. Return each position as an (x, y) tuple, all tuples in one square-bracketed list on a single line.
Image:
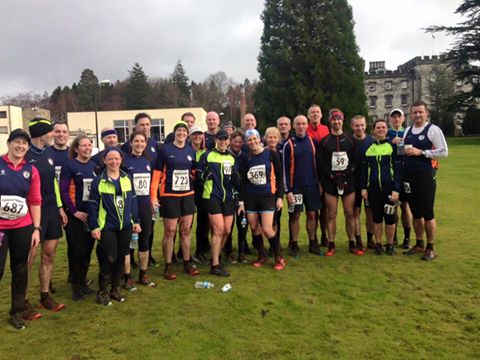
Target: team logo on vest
[(2, 172), (189, 158), (421, 137), (26, 174), (148, 167), (153, 149), (50, 161)]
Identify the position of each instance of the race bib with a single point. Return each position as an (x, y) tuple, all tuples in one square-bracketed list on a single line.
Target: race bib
[(141, 183), (12, 207), (297, 199), (227, 168), (257, 175), (58, 170), (339, 161), (87, 185), (181, 180), (119, 202)]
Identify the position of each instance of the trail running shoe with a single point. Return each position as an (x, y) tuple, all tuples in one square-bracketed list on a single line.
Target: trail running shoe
[(379, 249), (77, 293), (324, 241), (17, 321), (429, 255), (390, 250), (360, 246), (103, 298), (152, 262), (50, 304), (262, 259), (190, 268), (279, 263), (406, 243), (355, 250), (218, 270), (331, 251), (414, 250), (231, 258), (115, 295), (145, 280), (129, 284), (29, 313), (314, 248), (86, 289), (242, 259), (169, 274), (371, 244), (294, 249)]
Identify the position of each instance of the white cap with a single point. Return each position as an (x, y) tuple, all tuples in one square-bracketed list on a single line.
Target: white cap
[(396, 110), (195, 129)]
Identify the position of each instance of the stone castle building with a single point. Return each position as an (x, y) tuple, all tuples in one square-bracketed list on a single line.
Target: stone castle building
[(390, 89)]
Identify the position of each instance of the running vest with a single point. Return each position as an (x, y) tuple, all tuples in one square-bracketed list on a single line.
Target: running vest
[(14, 189), (43, 160), (260, 174), (422, 142), (140, 171)]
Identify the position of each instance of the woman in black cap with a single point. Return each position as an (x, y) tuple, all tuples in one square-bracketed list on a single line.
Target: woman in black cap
[(20, 202)]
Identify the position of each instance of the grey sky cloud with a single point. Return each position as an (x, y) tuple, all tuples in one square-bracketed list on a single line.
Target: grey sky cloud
[(47, 43)]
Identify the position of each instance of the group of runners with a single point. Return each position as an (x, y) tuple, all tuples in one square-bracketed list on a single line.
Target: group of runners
[(225, 176)]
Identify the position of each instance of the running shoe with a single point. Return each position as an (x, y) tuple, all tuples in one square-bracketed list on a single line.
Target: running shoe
[(371, 244), (17, 321), (190, 268), (331, 251), (360, 246), (314, 248), (218, 270), (414, 250), (242, 259), (429, 255), (103, 298), (379, 249), (231, 258), (355, 250), (294, 249), (86, 289), (115, 295), (77, 293), (129, 284), (280, 263), (145, 280), (262, 259), (390, 250), (406, 243), (324, 241), (50, 304), (169, 274), (29, 313), (152, 262)]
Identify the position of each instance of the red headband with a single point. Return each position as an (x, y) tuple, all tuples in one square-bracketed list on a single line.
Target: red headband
[(336, 115)]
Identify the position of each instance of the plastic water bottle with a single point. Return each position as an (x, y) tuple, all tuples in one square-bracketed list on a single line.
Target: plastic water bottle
[(243, 220), (204, 285), (134, 241), (227, 287), (155, 213)]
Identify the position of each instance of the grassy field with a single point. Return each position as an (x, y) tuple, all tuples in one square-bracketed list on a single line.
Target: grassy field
[(344, 307)]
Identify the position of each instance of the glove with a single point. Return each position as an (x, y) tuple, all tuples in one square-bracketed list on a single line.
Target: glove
[(207, 175)]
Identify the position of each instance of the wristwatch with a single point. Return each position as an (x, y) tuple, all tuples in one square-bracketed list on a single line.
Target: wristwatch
[(39, 228), (424, 153)]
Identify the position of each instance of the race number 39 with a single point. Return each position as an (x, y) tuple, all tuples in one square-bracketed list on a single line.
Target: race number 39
[(12, 207)]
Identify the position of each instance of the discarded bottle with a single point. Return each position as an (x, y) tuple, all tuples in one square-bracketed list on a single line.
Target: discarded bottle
[(243, 220), (227, 287), (134, 241), (204, 285)]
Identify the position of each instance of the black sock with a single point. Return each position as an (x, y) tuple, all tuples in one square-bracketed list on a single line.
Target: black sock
[(331, 245), (351, 243), (358, 239), (142, 273), (429, 246), (43, 295), (126, 276), (369, 236), (273, 241), (406, 231), (419, 243)]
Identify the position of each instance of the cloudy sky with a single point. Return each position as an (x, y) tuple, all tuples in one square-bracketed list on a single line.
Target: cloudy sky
[(46, 43)]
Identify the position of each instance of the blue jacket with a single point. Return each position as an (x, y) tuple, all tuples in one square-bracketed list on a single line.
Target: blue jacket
[(108, 209)]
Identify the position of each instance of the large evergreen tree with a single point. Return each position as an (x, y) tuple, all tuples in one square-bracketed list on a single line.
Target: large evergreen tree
[(181, 85), (87, 90), (137, 88), (308, 55), (465, 54)]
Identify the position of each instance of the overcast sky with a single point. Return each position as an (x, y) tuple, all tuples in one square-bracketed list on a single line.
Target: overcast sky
[(46, 43)]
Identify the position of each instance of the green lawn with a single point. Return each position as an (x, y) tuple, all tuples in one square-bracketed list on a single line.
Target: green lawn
[(344, 307)]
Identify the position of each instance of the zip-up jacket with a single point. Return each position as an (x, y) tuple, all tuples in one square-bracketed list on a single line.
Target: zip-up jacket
[(111, 209), (219, 171), (381, 167)]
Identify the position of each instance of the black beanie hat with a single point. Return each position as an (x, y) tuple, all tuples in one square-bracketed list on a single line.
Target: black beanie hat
[(39, 126)]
